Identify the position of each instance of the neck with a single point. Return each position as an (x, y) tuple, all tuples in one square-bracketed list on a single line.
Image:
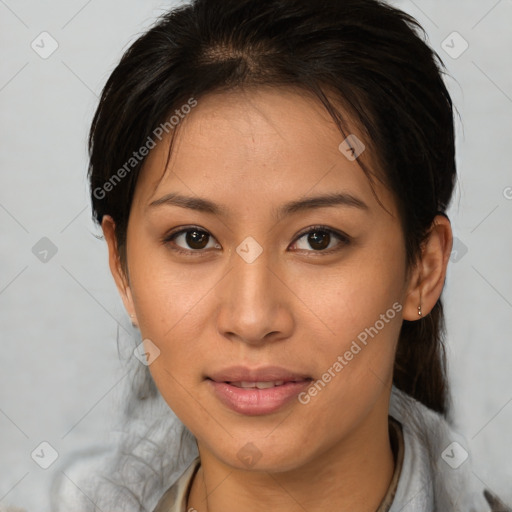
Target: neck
[(353, 475)]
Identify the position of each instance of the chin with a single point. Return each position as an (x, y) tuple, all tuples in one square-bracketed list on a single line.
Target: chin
[(260, 455)]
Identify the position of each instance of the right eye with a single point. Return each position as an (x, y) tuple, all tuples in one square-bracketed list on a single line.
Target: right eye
[(195, 238)]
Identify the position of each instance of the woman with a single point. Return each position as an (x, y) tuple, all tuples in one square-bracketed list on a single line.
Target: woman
[(272, 179)]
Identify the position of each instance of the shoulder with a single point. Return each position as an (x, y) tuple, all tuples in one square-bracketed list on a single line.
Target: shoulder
[(438, 462), (495, 503)]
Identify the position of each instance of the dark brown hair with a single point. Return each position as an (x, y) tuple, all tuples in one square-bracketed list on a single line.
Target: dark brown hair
[(362, 54)]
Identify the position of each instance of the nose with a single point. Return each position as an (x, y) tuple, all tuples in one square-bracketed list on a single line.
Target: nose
[(255, 303)]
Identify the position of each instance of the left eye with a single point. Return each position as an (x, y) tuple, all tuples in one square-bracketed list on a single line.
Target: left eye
[(320, 238)]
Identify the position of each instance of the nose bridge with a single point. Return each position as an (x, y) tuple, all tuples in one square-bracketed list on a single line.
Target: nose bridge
[(252, 305), (251, 280)]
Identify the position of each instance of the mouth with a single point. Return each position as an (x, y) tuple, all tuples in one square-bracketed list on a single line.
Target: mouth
[(243, 376), (262, 384), (257, 395)]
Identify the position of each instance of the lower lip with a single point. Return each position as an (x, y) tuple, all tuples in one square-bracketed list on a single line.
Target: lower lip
[(254, 401)]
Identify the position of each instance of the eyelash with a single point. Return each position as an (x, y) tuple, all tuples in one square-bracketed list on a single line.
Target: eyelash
[(342, 237)]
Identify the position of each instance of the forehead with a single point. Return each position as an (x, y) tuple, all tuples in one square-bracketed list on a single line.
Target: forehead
[(266, 144)]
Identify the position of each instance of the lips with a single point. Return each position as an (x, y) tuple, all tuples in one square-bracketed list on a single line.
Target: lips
[(259, 385), (268, 374), (257, 391)]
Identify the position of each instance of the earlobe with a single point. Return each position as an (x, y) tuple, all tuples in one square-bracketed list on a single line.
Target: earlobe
[(116, 268), (428, 277)]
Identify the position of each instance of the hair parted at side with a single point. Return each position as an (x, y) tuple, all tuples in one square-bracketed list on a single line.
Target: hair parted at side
[(365, 55)]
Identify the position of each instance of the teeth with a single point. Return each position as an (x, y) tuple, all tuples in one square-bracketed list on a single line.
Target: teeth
[(265, 385), (259, 385)]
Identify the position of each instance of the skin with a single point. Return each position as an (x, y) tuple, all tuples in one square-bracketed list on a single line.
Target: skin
[(295, 306)]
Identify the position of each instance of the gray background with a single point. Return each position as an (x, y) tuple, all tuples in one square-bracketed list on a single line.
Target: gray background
[(60, 375)]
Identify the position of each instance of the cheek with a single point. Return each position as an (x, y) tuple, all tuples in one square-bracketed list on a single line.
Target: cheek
[(357, 309), (347, 298), (166, 295), (170, 312)]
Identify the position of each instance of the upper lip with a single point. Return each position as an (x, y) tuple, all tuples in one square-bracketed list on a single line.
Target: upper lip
[(264, 374)]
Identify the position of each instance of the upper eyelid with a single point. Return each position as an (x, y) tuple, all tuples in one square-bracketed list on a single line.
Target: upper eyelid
[(333, 231)]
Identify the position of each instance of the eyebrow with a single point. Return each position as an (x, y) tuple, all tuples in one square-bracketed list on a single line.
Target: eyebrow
[(309, 203)]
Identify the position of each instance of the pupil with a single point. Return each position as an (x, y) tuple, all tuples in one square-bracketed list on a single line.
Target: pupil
[(196, 238), (315, 242)]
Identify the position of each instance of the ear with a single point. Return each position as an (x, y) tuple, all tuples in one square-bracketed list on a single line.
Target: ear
[(427, 278), (118, 272)]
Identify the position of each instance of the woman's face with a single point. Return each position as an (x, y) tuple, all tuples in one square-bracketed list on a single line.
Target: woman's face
[(245, 268)]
